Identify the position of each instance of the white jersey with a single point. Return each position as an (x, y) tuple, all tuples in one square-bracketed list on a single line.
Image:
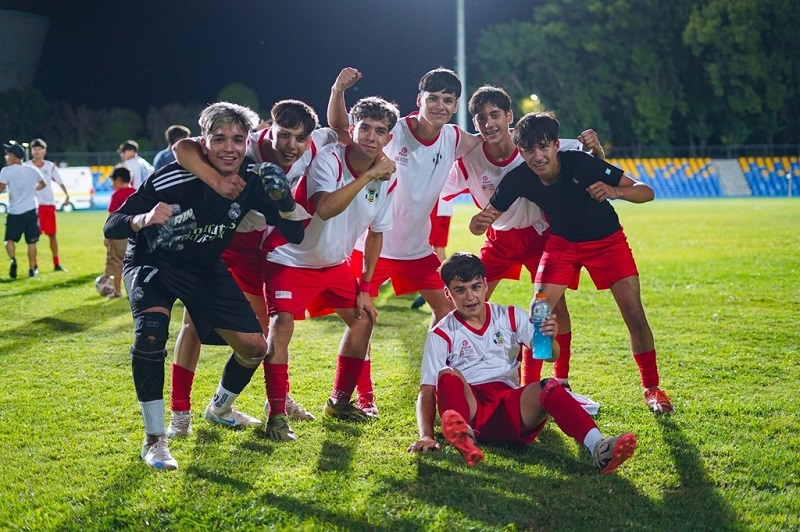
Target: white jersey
[(49, 172), (422, 168), (330, 242), (140, 170), (485, 355), (21, 182), (256, 150)]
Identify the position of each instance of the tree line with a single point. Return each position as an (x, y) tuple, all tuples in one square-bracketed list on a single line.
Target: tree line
[(653, 73)]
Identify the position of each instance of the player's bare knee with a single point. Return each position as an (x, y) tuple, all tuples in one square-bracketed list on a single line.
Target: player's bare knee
[(150, 333), (251, 354)]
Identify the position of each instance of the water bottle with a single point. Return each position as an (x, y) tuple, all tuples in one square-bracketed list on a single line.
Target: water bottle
[(541, 344)]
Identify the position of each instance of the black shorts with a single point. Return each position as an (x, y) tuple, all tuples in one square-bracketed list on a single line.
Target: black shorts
[(212, 298), (26, 223)]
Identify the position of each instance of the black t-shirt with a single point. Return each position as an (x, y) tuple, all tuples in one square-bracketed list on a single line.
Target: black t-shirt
[(216, 216), (571, 211)]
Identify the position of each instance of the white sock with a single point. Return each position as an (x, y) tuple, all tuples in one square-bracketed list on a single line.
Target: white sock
[(593, 437), (153, 416), (223, 400)]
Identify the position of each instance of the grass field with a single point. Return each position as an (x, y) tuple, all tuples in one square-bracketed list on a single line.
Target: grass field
[(720, 286)]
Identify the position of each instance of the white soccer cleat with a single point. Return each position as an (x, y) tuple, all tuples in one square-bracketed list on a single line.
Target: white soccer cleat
[(232, 418), (157, 455), (180, 424)]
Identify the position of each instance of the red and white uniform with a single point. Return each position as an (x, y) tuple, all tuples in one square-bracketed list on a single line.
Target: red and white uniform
[(422, 169), (49, 172), (482, 355), (330, 242)]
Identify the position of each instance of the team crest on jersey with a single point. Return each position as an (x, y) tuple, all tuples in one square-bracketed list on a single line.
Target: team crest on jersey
[(402, 157), (486, 183), (498, 338), (371, 195), (138, 293), (235, 211), (466, 349), (437, 159)]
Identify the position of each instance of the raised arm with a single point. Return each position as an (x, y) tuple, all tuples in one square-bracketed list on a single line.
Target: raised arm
[(590, 140), (337, 108)]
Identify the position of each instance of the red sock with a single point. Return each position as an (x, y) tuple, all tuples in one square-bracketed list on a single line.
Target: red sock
[(348, 371), (561, 365), (648, 369), (531, 367), (276, 377), (180, 389), (366, 394), (450, 395), (565, 411), (55, 260)]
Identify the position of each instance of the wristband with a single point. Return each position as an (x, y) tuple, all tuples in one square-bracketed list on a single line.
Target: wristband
[(365, 287)]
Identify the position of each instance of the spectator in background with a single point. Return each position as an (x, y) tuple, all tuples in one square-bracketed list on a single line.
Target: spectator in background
[(173, 134), (115, 247), (44, 197), (140, 169), (22, 183)]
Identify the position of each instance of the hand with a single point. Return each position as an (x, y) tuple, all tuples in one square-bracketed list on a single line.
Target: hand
[(177, 230), (481, 222), (228, 187), (423, 445), (589, 139), (382, 169), (550, 326), (348, 77), (364, 304), (158, 215), (601, 191), (276, 185)]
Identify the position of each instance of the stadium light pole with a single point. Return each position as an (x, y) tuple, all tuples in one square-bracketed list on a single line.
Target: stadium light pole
[(461, 64)]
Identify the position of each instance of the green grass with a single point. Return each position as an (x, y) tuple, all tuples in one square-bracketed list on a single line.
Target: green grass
[(720, 286)]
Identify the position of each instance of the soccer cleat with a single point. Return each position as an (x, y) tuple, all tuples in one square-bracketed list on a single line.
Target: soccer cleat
[(180, 424), (232, 418), (418, 302), (611, 452), (33, 273), (345, 411), (658, 401), (295, 411), (460, 436), (589, 406), (12, 271), (278, 429), (59, 268), (157, 455), (368, 406)]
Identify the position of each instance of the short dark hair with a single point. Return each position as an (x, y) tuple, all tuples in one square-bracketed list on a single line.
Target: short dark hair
[(121, 173), (377, 109), (129, 145), (176, 132), (294, 113), (441, 79), (489, 95), (38, 142), (535, 128), (461, 266)]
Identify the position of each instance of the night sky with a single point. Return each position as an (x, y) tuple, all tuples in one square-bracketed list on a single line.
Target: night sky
[(136, 53)]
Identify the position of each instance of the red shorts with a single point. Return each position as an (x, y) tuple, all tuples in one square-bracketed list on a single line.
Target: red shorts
[(408, 276), (440, 229), (316, 290), (504, 253), (245, 261), (498, 416), (607, 260), (47, 219)]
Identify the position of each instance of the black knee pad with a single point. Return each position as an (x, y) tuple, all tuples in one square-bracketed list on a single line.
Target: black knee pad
[(543, 383), (150, 333)]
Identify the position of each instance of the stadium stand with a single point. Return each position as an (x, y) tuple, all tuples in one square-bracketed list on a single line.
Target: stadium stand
[(675, 177), (767, 175)]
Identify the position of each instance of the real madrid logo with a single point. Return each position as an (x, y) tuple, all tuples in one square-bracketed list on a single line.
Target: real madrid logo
[(235, 211), (138, 293)]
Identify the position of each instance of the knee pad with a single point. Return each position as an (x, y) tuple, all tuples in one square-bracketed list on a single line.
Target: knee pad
[(150, 333)]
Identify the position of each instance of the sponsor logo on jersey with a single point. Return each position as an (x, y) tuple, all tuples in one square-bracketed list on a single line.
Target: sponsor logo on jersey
[(402, 157), (466, 350), (283, 294), (486, 183)]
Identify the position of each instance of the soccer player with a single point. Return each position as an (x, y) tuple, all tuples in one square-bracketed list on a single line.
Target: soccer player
[(178, 228), (469, 370), (139, 167), (516, 238), (573, 189), (349, 189), (45, 198), (173, 134), (423, 147), (22, 183), (291, 141)]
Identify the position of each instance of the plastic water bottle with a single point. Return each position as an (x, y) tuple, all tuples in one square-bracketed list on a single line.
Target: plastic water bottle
[(541, 344)]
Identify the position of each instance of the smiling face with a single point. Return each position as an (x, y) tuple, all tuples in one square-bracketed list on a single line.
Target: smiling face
[(469, 298), (492, 123), (438, 107), (542, 158), (369, 136), (225, 148), (288, 144)]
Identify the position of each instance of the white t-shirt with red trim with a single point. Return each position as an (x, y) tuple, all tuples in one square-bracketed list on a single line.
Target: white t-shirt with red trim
[(49, 172)]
